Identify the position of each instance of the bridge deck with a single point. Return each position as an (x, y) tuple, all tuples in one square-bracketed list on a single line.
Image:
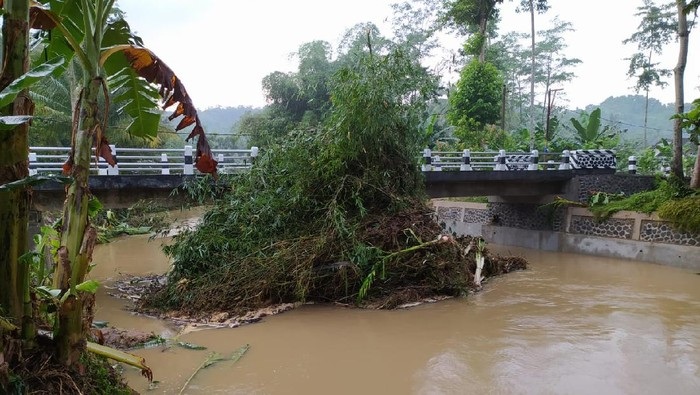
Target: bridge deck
[(440, 184)]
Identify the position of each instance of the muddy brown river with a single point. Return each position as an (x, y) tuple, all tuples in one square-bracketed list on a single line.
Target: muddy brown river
[(570, 324)]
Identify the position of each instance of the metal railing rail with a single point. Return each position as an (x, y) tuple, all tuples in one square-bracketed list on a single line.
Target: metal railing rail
[(501, 160), (143, 160)]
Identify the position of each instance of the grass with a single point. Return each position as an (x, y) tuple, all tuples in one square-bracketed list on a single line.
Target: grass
[(671, 200)]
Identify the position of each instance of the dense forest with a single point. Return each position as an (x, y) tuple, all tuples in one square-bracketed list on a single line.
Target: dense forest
[(623, 112)]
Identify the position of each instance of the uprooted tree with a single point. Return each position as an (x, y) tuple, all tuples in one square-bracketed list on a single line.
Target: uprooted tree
[(333, 215)]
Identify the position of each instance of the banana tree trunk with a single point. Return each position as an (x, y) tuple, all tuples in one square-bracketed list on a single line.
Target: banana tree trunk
[(78, 236), (14, 149)]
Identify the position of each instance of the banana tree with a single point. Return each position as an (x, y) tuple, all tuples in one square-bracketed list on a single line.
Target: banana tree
[(14, 204), (16, 109), (589, 132), (101, 42)]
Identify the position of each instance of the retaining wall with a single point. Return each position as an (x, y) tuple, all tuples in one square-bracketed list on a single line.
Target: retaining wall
[(627, 235)]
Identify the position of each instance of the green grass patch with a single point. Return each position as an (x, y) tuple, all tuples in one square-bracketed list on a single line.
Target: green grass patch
[(672, 200)]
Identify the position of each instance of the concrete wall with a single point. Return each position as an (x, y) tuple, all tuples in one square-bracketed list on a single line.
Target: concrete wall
[(626, 235)]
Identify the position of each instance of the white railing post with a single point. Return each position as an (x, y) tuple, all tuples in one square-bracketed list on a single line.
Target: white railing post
[(113, 170), (437, 163), (164, 168), (189, 161), (427, 160), (534, 160), (501, 164), (565, 160), (220, 160), (466, 161), (32, 163), (632, 165), (254, 151)]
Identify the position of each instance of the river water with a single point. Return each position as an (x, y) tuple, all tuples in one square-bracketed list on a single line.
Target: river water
[(570, 324)]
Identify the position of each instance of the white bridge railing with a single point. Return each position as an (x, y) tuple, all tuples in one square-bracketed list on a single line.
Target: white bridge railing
[(501, 160), (143, 160)]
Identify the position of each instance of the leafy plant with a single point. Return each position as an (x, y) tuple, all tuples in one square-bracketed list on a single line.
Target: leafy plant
[(683, 213), (590, 134), (644, 202)]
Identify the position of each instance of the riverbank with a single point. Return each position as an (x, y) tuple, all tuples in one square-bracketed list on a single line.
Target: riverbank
[(627, 235)]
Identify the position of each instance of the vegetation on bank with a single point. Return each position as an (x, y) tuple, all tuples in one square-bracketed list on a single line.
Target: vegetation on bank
[(37, 372), (672, 200)]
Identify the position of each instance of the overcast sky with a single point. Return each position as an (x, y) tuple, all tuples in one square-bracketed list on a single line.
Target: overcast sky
[(222, 49)]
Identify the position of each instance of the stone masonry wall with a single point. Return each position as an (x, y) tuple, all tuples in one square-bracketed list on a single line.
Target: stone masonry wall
[(625, 225), (663, 232), (522, 216), (613, 227), (611, 183)]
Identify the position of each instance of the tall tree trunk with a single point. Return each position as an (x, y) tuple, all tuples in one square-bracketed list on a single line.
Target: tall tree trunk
[(695, 179), (78, 237), (532, 77), (14, 150), (482, 31), (678, 73), (646, 105), (646, 116)]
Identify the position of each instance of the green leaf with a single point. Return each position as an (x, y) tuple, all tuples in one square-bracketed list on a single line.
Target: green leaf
[(190, 346), (88, 286), (118, 32), (70, 13), (137, 98), (35, 180), (100, 324), (238, 354), (579, 128), (48, 293), (593, 124), (212, 359), (94, 207), (8, 95)]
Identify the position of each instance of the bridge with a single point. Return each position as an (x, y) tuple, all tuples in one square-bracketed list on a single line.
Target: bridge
[(143, 173), (511, 174)]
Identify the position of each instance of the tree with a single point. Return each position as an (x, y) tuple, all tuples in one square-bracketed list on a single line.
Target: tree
[(476, 100), (691, 121), (510, 57), (678, 78), (105, 49), (656, 29), (554, 68), (692, 118), (472, 16), (414, 26), (540, 6), (14, 203)]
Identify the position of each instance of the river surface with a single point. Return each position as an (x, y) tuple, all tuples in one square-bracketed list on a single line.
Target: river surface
[(570, 324)]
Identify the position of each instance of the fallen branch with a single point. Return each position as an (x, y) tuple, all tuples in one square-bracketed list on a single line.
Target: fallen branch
[(213, 358)]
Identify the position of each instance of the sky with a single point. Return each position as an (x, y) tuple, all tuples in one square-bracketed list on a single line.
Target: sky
[(221, 49)]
